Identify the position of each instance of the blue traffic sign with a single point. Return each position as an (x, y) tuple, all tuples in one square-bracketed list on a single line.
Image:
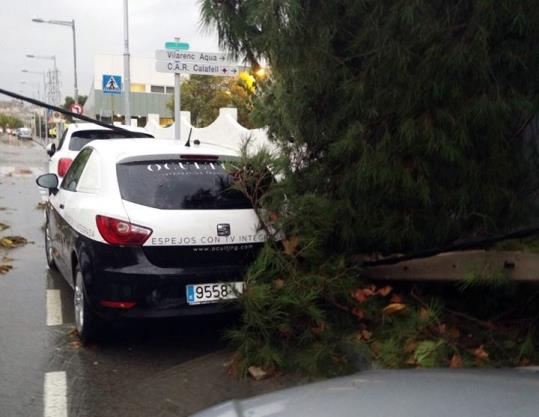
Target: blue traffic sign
[(112, 84)]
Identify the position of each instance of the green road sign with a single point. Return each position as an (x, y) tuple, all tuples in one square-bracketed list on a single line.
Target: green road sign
[(177, 45)]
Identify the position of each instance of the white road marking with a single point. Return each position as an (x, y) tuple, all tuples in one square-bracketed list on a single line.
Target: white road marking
[(55, 394), (54, 308)]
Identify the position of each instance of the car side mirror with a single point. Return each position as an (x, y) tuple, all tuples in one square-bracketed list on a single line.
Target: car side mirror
[(51, 149), (49, 181)]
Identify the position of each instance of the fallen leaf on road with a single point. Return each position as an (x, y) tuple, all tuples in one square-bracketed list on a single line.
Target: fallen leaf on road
[(3, 226), (456, 361), (359, 313), (364, 335), (393, 308), (5, 268), (72, 332), (384, 290), (424, 314), (411, 346), (11, 242), (291, 245), (42, 205), (480, 353), (75, 344), (361, 294), (257, 373), (441, 328)]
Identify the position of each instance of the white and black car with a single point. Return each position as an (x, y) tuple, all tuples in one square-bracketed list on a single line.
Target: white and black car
[(148, 228), (78, 135)]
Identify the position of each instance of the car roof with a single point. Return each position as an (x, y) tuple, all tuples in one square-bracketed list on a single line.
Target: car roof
[(404, 393), (116, 150), (93, 126)]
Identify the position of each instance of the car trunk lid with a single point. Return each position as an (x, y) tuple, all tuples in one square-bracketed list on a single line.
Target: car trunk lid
[(196, 218)]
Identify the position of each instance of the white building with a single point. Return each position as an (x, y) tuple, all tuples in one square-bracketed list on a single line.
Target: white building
[(150, 90)]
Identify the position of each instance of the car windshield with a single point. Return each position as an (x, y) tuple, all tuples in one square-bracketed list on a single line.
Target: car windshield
[(83, 137), (179, 184)]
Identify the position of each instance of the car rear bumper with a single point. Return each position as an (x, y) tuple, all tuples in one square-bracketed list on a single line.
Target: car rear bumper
[(157, 294), (125, 274)]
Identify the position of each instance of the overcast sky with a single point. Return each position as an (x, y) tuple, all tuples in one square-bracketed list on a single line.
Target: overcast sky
[(99, 27)]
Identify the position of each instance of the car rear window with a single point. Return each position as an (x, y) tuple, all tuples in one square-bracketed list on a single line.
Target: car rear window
[(83, 137), (179, 184)]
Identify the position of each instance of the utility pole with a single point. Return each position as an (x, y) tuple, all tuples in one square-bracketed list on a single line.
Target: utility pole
[(70, 23), (127, 59), (177, 104), (75, 87)]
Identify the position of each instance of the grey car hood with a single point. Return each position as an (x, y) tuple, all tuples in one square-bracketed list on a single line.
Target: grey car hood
[(399, 393)]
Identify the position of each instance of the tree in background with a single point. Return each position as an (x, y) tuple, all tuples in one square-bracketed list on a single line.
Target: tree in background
[(400, 123), (7, 120), (203, 96)]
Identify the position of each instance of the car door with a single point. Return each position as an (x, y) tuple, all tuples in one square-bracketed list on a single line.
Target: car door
[(63, 207)]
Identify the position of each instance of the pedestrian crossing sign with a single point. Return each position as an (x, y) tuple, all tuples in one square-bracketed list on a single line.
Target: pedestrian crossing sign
[(112, 84)]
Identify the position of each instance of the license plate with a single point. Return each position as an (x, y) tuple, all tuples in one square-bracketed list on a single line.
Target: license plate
[(214, 292)]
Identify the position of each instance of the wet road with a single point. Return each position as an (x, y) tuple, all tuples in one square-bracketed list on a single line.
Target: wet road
[(42, 364)]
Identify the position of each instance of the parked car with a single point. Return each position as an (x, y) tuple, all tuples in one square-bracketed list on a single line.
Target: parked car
[(148, 228), (75, 137), (24, 133), (403, 393)]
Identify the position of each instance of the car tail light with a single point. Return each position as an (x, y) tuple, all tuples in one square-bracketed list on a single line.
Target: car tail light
[(63, 166), (126, 305), (120, 232)]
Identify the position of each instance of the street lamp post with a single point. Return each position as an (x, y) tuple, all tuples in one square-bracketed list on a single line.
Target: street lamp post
[(43, 97), (42, 73), (54, 89), (33, 84), (71, 24), (177, 103)]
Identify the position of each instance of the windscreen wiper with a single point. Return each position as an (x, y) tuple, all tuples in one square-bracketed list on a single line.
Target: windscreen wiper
[(124, 132)]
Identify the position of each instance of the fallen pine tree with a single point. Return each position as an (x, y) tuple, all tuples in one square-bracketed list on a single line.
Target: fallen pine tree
[(401, 126)]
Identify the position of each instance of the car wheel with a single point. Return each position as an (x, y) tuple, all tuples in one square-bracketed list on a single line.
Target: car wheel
[(86, 321), (48, 246)]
